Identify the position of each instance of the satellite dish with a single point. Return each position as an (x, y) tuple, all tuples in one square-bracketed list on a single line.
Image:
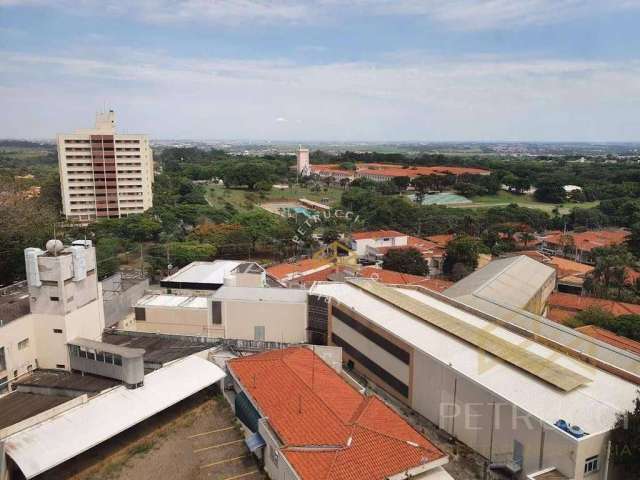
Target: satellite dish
[(54, 246)]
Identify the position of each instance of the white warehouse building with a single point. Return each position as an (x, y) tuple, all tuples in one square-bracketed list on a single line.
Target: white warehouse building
[(484, 381)]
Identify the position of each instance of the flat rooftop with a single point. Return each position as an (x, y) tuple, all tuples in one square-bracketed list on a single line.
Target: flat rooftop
[(17, 406), (172, 301), (593, 406), (157, 349), (57, 379), (201, 275), (259, 294)]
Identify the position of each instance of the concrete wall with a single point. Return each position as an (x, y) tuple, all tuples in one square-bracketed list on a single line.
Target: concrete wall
[(179, 321), (86, 322), (20, 360), (360, 246), (283, 322), (118, 304)]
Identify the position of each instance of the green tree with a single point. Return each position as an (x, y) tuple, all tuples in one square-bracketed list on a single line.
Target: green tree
[(625, 442), (107, 251), (405, 260), (461, 256), (402, 182), (260, 225), (550, 192)]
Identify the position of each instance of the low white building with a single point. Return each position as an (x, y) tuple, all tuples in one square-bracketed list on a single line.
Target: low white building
[(201, 278), (492, 384), (238, 313), (359, 241)]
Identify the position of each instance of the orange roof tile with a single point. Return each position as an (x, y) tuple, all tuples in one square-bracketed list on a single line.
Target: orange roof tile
[(576, 303), (391, 170), (309, 405), (587, 241), (611, 338), (283, 270), (441, 240), (566, 267), (376, 234)]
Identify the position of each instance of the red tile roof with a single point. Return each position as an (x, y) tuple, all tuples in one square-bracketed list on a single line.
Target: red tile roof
[(309, 405), (376, 234), (566, 305), (587, 241), (611, 338), (390, 170), (389, 276), (283, 270), (441, 240)]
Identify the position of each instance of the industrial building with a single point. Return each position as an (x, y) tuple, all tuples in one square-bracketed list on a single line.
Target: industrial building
[(306, 422), (519, 282), (527, 394), (104, 173)]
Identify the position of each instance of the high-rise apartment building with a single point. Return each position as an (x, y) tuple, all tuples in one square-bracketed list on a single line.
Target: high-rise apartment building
[(104, 174)]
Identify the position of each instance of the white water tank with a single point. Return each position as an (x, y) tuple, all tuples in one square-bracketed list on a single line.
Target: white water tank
[(54, 246), (31, 266)]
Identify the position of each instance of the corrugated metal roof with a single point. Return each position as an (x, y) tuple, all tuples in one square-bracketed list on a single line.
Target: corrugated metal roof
[(539, 366), (593, 406), (514, 281), (50, 443)]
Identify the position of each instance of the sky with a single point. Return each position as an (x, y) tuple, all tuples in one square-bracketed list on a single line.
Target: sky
[(324, 70)]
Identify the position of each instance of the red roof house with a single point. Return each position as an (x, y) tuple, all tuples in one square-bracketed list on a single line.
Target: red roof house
[(325, 428)]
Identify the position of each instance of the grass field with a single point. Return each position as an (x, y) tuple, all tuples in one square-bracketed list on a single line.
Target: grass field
[(244, 199), (505, 198)]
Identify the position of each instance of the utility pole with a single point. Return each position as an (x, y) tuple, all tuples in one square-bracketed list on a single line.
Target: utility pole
[(142, 260)]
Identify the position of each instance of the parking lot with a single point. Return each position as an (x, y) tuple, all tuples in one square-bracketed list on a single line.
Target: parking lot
[(198, 439)]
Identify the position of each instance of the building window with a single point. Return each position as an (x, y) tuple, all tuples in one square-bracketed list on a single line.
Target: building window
[(57, 330), (141, 314), (117, 360), (216, 313), (59, 365), (22, 344), (4, 385), (258, 333), (3, 360), (591, 464), (54, 299)]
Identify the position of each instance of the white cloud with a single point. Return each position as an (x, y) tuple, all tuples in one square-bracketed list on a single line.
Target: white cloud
[(413, 98), (456, 14)]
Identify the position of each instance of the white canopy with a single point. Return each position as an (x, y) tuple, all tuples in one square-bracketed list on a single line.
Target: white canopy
[(52, 442)]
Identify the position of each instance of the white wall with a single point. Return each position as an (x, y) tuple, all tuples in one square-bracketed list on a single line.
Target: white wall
[(20, 360), (361, 244), (283, 322)]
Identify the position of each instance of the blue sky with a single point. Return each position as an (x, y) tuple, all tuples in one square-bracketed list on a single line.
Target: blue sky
[(404, 70)]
